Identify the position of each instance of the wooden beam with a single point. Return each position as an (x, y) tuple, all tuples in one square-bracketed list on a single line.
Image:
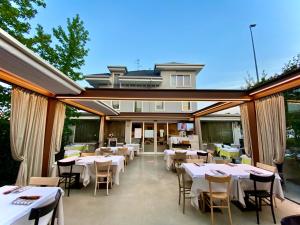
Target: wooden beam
[(285, 83), (48, 135), (13, 79), (216, 108), (151, 116), (160, 94), (253, 131)]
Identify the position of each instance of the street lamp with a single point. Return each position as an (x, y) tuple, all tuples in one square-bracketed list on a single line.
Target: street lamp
[(250, 27)]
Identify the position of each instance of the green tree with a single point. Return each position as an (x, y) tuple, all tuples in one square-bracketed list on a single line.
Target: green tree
[(15, 16)]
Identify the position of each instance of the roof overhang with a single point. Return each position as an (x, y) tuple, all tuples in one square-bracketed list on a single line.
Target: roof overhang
[(179, 67), (121, 69), (21, 66)]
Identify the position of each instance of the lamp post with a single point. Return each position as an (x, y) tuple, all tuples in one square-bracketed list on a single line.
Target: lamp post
[(250, 27)]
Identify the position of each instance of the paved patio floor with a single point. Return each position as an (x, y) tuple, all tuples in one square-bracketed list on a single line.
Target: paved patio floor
[(148, 195)]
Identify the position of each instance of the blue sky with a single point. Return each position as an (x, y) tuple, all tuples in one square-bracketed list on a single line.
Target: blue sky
[(214, 33)]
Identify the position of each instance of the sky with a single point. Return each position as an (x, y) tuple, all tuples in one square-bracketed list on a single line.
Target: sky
[(214, 33)]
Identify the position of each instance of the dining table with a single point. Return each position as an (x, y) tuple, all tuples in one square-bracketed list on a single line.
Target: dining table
[(16, 214), (192, 153), (85, 166), (240, 174), (115, 150)]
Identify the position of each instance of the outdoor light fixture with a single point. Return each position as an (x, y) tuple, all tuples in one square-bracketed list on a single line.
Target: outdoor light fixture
[(251, 26)]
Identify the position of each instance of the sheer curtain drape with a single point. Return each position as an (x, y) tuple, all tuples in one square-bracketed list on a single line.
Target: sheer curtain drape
[(246, 129), (58, 127), (199, 132), (27, 131), (271, 128)]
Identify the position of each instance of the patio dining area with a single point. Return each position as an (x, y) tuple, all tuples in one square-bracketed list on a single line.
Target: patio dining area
[(119, 183)]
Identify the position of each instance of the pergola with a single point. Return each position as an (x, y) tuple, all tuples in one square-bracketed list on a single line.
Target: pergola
[(21, 67)]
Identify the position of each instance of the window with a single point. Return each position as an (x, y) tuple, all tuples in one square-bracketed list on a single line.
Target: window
[(115, 105), (138, 106), (180, 80), (186, 106), (159, 106)]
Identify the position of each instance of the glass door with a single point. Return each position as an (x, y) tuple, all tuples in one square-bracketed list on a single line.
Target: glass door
[(149, 137), (162, 132)]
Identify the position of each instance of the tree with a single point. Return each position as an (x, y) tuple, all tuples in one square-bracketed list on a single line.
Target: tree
[(15, 16)]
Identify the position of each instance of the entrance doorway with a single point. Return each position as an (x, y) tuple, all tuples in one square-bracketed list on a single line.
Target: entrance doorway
[(162, 137), (149, 137)]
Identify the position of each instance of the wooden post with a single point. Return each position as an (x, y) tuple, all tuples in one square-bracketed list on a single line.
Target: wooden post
[(48, 135), (101, 131), (253, 131)]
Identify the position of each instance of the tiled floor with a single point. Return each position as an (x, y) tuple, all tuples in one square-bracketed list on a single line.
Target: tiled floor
[(148, 195)]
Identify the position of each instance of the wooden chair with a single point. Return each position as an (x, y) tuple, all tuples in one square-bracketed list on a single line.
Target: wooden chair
[(103, 172), (45, 213), (203, 155), (260, 195), (184, 186), (68, 178), (200, 161), (124, 152), (44, 181), (222, 161), (272, 169), (84, 154), (263, 166), (222, 197), (106, 151), (178, 160)]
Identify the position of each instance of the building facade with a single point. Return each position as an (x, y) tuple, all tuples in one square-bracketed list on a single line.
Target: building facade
[(150, 123)]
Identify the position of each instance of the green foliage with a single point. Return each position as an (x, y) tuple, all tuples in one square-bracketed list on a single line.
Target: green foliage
[(15, 16), (4, 103), (290, 66)]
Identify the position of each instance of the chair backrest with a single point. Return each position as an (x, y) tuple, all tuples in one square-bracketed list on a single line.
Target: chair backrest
[(105, 151), (291, 220), (46, 210), (84, 154), (122, 151), (103, 166), (222, 161), (272, 169), (220, 180), (44, 181), (201, 161), (263, 179), (203, 155), (65, 164)]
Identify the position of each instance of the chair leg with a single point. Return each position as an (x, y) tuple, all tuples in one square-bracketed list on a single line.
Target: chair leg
[(256, 209), (107, 182), (272, 209), (179, 196), (212, 213), (183, 201), (96, 184), (229, 213), (69, 186)]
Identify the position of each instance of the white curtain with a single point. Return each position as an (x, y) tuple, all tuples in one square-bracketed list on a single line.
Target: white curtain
[(271, 128), (199, 131), (27, 131), (101, 132), (58, 127), (246, 129)]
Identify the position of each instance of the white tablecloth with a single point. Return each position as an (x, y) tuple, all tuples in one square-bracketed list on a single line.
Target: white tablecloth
[(168, 153), (130, 151), (136, 147), (85, 166), (19, 214), (240, 180)]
